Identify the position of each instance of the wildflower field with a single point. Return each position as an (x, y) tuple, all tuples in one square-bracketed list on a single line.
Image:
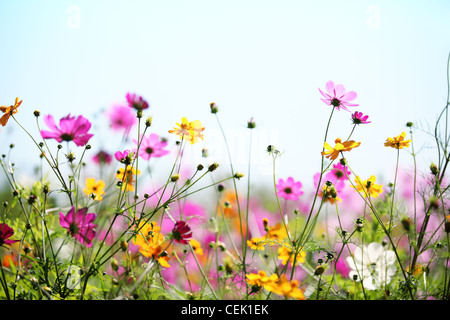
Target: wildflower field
[(96, 225)]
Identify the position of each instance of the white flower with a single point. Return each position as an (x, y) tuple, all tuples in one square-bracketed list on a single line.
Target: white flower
[(373, 264)]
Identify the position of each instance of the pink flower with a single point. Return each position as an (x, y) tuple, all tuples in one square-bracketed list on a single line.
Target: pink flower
[(70, 129), (337, 97), (181, 232), (136, 102), (5, 233), (121, 118), (125, 157), (152, 147), (102, 157), (80, 225), (359, 118), (289, 189), (338, 175)]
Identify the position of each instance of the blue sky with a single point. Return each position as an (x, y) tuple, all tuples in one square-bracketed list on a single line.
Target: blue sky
[(261, 59)]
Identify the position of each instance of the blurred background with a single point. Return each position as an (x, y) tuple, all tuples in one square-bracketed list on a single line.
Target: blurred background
[(260, 59)]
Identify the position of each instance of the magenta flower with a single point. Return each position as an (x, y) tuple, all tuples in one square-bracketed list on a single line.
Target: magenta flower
[(70, 129), (152, 147), (181, 232), (289, 189), (121, 118), (6, 232), (338, 175), (136, 102), (80, 225), (359, 118), (102, 157), (125, 157), (337, 97)]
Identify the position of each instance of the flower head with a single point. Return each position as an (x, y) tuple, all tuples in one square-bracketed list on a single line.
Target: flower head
[(126, 177), (149, 239), (289, 289), (397, 142), (289, 189), (181, 232), (152, 147), (333, 152), (337, 97), (79, 224), (373, 265), (121, 118), (6, 232), (70, 129), (125, 157), (102, 157), (9, 111), (359, 118), (261, 279), (368, 187), (94, 189), (190, 130), (136, 102), (285, 254)]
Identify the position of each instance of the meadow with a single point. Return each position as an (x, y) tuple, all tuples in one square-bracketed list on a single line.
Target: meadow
[(96, 225)]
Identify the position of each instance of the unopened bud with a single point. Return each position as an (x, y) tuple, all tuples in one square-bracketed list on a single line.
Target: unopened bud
[(214, 108), (434, 169), (213, 167)]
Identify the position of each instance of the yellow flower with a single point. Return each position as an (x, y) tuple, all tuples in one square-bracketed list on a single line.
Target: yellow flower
[(277, 232), (196, 246), (261, 279), (8, 111), (94, 188), (126, 176), (286, 254), (329, 194), (287, 288), (333, 153), (150, 240), (191, 130), (368, 186), (397, 142), (257, 243)]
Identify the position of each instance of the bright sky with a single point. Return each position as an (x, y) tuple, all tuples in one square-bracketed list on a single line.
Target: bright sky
[(261, 59)]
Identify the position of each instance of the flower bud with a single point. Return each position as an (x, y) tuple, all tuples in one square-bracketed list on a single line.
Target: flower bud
[(447, 224), (124, 245), (37, 113), (200, 167), (251, 124), (319, 270), (175, 177), (148, 121), (213, 167), (434, 169), (214, 108), (238, 175)]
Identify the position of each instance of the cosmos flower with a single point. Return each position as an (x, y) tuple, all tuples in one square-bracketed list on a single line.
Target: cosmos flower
[(149, 239), (121, 118), (261, 279), (152, 147), (289, 189), (286, 254), (136, 102), (181, 232), (372, 264), (359, 118), (191, 131), (125, 175), (289, 289), (70, 129), (333, 152), (9, 111), (102, 157), (368, 187), (94, 189), (337, 97), (79, 224), (6, 232), (397, 142), (125, 157)]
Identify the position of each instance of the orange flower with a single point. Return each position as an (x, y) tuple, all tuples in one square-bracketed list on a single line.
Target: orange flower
[(150, 240), (261, 279), (286, 254), (287, 288), (9, 111), (333, 153), (94, 189), (126, 177), (397, 142)]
